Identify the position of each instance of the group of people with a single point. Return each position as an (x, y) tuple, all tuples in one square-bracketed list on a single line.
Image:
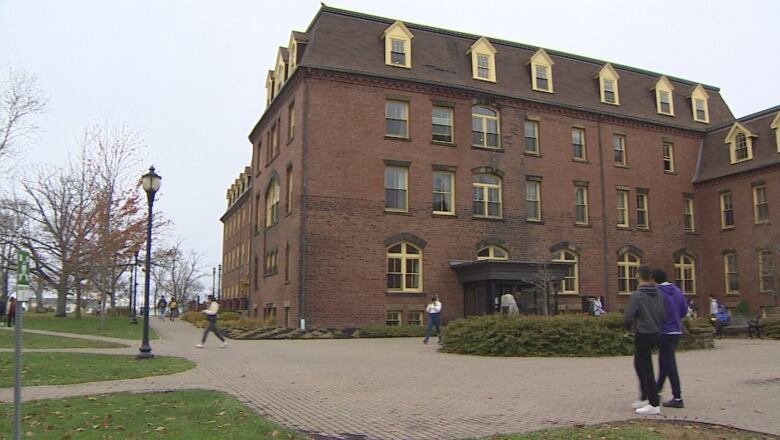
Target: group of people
[(8, 312), (654, 313), (173, 308)]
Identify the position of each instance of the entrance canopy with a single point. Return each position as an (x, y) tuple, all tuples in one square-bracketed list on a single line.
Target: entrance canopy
[(508, 270)]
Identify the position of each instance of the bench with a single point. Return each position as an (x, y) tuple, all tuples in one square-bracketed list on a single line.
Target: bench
[(740, 325)]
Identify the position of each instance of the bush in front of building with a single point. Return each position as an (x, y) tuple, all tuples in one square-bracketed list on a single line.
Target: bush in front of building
[(771, 328), (192, 316), (391, 331)]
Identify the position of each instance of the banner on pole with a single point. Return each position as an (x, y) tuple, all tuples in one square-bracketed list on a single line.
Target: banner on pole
[(23, 269)]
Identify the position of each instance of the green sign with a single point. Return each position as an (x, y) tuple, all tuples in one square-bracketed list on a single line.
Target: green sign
[(23, 269)]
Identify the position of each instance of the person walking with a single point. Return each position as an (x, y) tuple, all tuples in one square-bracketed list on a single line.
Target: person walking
[(211, 316), (676, 309), (713, 306), (173, 308), (434, 318), (11, 312), (645, 313), (161, 305)]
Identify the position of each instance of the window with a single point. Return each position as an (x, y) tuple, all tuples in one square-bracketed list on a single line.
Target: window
[(415, 318), (775, 125), (541, 71), (731, 271), (622, 208), (288, 201), (608, 85), (532, 137), (287, 263), (272, 204), (685, 274), (571, 281), (492, 253), (766, 271), (271, 264), (619, 145), (291, 121), (699, 105), (398, 45), (273, 140), (483, 60), (483, 66), (258, 212), (701, 110), (740, 141), (257, 272), (404, 268), (609, 91), (487, 196), (760, 204), (393, 318), (484, 127), (642, 211), (628, 264), (396, 119), (442, 124), (542, 78), (533, 200), (581, 205), (726, 211), (663, 96), (443, 192), (668, 152), (741, 150), (578, 144), (396, 194), (688, 215)]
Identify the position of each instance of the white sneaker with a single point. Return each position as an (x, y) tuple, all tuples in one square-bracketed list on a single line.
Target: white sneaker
[(649, 410), (224, 344), (640, 404), (199, 345)]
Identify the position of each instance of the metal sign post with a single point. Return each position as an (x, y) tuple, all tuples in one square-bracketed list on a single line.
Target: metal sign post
[(22, 284)]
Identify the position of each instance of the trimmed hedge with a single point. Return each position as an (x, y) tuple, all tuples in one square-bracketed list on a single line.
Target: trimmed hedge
[(392, 331), (199, 319)]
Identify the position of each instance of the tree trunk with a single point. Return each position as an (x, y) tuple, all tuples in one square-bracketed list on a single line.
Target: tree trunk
[(78, 299), (4, 295), (62, 300), (112, 295), (38, 296), (103, 311)]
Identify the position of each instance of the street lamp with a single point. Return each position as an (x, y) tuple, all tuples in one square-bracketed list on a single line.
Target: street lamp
[(213, 280), (219, 282), (151, 184)]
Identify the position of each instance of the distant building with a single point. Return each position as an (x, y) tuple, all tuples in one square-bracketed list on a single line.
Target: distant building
[(236, 227), (394, 161)]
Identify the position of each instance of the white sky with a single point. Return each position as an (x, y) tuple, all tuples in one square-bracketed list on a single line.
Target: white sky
[(190, 74)]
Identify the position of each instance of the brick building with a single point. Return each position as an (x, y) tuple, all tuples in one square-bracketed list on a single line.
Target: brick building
[(237, 230), (395, 160)]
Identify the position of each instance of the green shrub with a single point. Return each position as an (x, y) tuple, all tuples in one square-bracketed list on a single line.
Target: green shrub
[(771, 328), (192, 316), (229, 316), (392, 331), (742, 309)]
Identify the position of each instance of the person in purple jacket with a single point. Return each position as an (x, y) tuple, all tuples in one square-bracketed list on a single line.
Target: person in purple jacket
[(676, 309)]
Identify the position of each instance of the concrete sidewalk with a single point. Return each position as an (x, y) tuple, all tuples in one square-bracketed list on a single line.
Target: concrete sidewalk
[(402, 389)]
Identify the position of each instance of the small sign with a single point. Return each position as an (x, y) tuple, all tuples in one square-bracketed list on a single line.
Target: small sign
[(23, 269)]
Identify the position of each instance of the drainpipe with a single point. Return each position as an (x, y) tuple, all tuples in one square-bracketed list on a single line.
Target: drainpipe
[(604, 221), (304, 205)]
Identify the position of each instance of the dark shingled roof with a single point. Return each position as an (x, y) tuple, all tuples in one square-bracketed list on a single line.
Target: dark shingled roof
[(715, 160), (347, 41)]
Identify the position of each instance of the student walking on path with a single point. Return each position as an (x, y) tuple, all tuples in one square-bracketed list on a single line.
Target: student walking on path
[(173, 308), (11, 312), (434, 318), (645, 312), (161, 304), (676, 309), (211, 316)]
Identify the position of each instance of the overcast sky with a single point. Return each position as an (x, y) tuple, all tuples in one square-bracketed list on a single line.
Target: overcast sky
[(190, 75)]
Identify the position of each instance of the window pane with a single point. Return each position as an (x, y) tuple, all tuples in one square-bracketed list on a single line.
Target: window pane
[(484, 111), (486, 178), (531, 143)]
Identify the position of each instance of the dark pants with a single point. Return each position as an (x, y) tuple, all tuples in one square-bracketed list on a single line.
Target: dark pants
[(433, 320), (643, 363), (667, 364), (11, 319), (212, 328)]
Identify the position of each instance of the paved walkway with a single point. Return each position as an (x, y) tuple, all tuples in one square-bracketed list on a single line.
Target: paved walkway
[(401, 389)]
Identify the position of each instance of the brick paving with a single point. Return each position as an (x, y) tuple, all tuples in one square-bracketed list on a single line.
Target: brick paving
[(388, 389)]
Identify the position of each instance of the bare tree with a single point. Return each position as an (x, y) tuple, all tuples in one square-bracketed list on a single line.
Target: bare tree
[(20, 101), (179, 272), (544, 281)]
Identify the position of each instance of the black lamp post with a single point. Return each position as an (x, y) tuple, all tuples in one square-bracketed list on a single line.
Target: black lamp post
[(213, 281), (151, 184), (219, 282)]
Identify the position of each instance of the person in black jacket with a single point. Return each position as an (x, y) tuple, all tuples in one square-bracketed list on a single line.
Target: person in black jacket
[(645, 313)]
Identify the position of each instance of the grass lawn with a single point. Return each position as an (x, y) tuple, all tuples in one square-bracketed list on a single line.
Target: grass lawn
[(32, 340), (118, 327), (47, 368), (191, 415), (639, 430)]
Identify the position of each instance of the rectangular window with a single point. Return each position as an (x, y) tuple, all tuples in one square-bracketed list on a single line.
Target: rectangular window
[(642, 213), (393, 318), (288, 202), (397, 119), (578, 144), (542, 82), (581, 205), (287, 263), (701, 109), (415, 318), (274, 141), (726, 211), (622, 208), (532, 137), (291, 121), (396, 184), (533, 200), (619, 145), (664, 102), (271, 265), (688, 216), (668, 157), (760, 204), (442, 124), (483, 66), (398, 52), (443, 192), (609, 91), (732, 273), (766, 271)]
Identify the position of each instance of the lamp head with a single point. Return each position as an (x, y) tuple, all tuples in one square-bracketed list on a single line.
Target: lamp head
[(151, 181)]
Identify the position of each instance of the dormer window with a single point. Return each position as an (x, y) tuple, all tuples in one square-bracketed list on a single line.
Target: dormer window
[(663, 97), (608, 84), (398, 45), (280, 75), (699, 105), (776, 126), (269, 88), (740, 141), (541, 71), (483, 60)]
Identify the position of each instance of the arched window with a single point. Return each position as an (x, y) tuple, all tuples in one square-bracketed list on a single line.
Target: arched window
[(493, 253), (272, 204), (571, 282), (404, 268), (628, 264), (486, 196), (685, 274), (485, 127)]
